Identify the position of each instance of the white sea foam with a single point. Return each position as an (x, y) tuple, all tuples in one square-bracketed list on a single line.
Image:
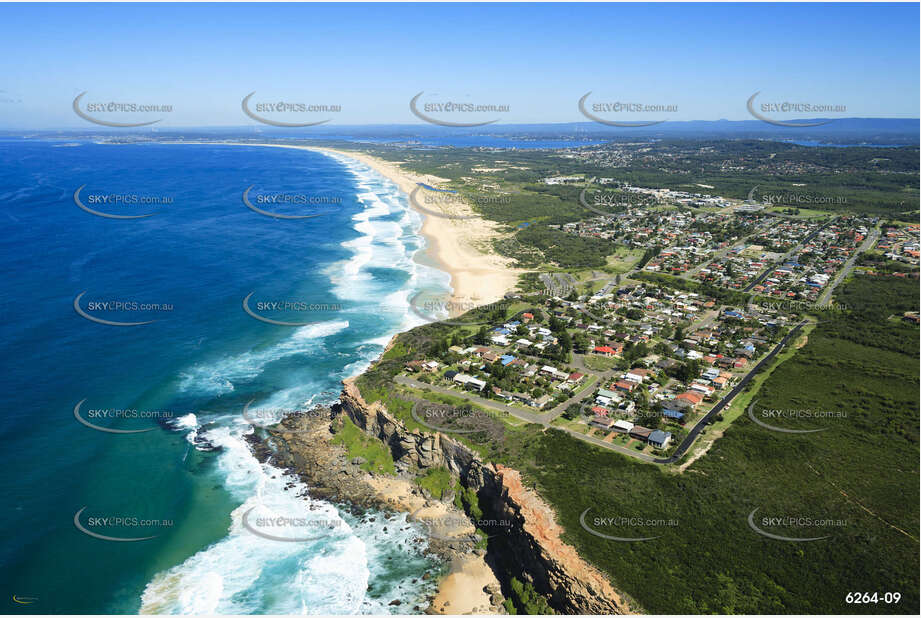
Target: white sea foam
[(217, 377), (244, 573), (325, 572)]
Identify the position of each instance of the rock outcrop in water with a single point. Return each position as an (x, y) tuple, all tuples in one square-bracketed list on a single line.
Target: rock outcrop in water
[(530, 547), (302, 445)]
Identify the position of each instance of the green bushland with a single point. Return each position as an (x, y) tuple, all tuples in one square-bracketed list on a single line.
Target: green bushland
[(525, 600), (437, 481), (567, 250), (359, 444), (466, 499), (862, 471)]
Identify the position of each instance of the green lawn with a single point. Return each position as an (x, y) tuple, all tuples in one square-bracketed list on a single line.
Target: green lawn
[(597, 362), (623, 260)]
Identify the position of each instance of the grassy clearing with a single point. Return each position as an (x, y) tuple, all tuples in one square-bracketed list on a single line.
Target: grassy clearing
[(623, 260), (437, 481), (359, 444), (600, 363)]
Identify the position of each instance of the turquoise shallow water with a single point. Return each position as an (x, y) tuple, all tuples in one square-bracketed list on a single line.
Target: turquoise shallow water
[(190, 479)]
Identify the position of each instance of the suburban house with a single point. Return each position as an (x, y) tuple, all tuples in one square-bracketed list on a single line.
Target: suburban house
[(687, 400), (659, 438), (414, 365), (602, 422), (541, 401), (640, 433), (634, 376), (676, 415), (603, 392), (468, 382), (604, 350), (622, 426)]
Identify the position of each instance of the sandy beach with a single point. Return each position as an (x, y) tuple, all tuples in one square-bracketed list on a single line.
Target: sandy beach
[(468, 587), (461, 247), (463, 590)]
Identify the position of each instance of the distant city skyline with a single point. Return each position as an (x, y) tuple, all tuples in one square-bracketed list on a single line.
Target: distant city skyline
[(533, 62)]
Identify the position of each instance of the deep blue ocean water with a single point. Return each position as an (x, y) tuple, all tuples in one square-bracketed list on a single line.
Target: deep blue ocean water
[(350, 271)]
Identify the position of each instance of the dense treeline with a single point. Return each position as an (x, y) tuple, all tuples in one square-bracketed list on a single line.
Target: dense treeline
[(567, 250), (862, 471)]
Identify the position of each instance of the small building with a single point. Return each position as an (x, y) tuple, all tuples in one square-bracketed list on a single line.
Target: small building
[(659, 438), (640, 433), (542, 401), (622, 426), (602, 422), (414, 365), (689, 399), (468, 382), (676, 415)]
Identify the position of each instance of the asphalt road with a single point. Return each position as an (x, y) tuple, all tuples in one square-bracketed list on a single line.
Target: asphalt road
[(546, 418), (848, 266), (489, 403), (787, 255), (725, 401)]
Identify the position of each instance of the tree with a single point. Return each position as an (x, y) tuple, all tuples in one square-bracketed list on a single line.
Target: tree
[(565, 342)]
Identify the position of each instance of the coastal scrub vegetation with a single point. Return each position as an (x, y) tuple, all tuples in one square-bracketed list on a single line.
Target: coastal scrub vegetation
[(854, 473), (857, 364), (436, 481), (376, 457)]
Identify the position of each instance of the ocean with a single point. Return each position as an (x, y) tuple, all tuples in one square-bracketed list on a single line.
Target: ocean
[(179, 380)]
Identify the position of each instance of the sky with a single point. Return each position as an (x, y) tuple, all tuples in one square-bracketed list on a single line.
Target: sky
[(701, 61)]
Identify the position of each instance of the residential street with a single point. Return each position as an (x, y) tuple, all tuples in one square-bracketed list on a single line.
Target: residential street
[(787, 255), (849, 266), (725, 401), (547, 418)]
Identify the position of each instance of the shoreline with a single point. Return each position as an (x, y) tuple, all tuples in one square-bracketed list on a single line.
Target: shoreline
[(455, 245), (301, 445), (468, 585)]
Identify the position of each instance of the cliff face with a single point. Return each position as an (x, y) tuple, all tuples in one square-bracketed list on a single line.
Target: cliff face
[(529, 546)]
